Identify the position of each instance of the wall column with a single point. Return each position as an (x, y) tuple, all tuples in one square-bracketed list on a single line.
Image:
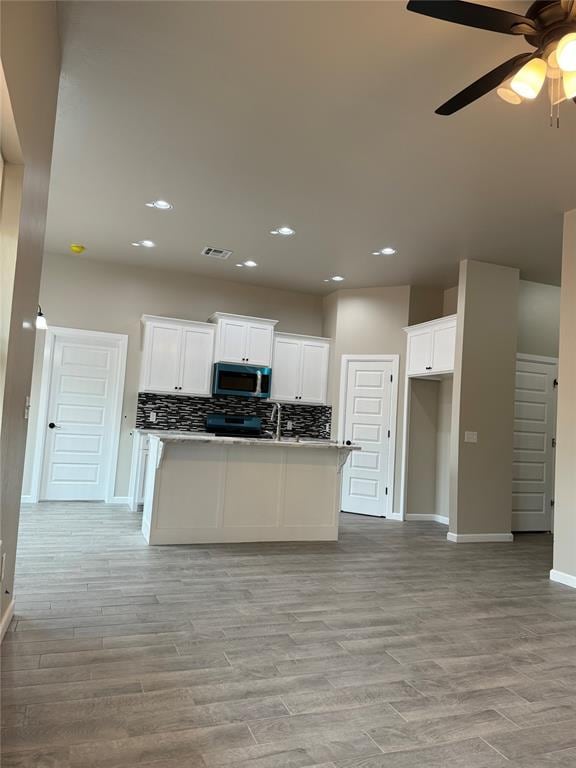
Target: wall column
[(483, 403), (564, 569)]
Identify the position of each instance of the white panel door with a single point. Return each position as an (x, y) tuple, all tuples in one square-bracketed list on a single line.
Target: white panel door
[(79, 426), (314, 372), (367, 422), (259, 340), (196, 363), (162, 358), (534, 432), (231, 341), (444, 348), (286, 369), (419, 352)]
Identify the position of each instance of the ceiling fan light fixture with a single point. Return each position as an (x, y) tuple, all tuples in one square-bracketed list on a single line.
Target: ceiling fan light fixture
[(528, 81), (569, 84), (566, 53), (509, 96)]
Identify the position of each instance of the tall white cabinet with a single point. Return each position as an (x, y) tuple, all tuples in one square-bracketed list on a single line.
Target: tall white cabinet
[(177, 356), (241, 339), (300, 368)]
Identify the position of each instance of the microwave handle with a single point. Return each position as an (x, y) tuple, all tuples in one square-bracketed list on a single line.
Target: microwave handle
[(258, 390)]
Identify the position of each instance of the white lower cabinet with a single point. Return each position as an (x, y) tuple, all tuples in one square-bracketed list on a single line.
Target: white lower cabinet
[(177, 356), (431, 347), (300, 368)]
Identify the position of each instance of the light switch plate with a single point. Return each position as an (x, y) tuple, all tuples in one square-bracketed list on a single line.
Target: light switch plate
[(470, 437)]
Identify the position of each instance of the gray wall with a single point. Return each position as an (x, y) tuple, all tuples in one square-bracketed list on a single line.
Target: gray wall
[(538, 319), (483, 399), (30, 55), (565, 490)]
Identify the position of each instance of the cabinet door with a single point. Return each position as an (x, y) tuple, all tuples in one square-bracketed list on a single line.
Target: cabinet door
[(231, 341), (419, 352), (259, 340), (314, 372), (286, 369), (197, 356), (443, 348), (161, 372)]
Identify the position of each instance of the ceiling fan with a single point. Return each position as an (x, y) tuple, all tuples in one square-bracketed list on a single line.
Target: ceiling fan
[(549, 26)]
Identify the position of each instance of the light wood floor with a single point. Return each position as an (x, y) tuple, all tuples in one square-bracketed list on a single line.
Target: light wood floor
[(389, 649)]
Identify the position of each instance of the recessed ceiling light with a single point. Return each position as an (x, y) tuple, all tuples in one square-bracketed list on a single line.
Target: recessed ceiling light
[(144, 243), (337, 278), (250, 263), (239, 265), (284, 231), (162, 205), (388, 251)]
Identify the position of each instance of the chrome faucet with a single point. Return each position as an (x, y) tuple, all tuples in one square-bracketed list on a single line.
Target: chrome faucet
[(277, 414)]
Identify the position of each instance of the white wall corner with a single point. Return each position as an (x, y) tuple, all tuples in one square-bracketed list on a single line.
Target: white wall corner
[(478, 538), (563, 578), (6, 619)]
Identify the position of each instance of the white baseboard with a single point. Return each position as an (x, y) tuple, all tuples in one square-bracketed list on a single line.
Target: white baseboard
[(477, 538), (563, 578), (6, 619), (119, 500), (27, 499), (431, 518)]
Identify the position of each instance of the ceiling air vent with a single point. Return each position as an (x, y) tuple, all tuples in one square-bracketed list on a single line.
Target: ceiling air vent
[(216, 253)]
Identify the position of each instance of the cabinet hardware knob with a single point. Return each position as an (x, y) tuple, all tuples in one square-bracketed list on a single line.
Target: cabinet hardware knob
[(428, 367)]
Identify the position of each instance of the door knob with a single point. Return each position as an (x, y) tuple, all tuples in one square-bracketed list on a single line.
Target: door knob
[(348, 442), (53, 426)]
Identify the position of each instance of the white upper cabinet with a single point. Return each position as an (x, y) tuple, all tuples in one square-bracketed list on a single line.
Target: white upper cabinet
[(300, 368), (177, 356), (242, 339), (431, 347)]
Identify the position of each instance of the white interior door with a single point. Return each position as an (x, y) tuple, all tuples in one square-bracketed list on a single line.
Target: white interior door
[(369, 412), (534, 434), (84, 382)]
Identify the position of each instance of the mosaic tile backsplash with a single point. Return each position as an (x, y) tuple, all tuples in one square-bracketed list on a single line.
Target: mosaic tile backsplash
[(187, 414)]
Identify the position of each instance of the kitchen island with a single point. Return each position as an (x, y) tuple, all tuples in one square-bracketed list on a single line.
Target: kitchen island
[(202, 489)]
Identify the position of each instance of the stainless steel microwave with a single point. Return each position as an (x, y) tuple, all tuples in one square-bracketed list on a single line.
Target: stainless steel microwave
[(241, 380)]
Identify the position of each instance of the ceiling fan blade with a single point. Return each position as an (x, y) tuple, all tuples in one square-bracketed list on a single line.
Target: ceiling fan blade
[(473, 15), (485, 84)]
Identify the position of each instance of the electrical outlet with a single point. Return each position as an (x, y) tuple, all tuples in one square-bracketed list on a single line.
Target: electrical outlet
[(470, 437), (289, 426), (328, 428), (152, 416)]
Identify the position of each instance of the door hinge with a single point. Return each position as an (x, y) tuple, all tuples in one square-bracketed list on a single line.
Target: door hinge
[(386, 492), (391, 377), (551, 502), (388, 433), (553, 442), (555, 384)]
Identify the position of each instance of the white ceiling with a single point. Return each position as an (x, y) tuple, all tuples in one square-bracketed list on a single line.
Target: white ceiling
[(320, 115)]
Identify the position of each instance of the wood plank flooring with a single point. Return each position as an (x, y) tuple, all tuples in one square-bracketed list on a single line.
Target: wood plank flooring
[(389, 649)]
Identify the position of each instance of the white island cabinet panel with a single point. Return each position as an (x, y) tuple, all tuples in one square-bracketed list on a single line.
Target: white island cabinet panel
[(202, 490)]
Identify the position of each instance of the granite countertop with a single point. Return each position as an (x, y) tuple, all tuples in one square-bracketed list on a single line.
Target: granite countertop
[(167, 436)]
